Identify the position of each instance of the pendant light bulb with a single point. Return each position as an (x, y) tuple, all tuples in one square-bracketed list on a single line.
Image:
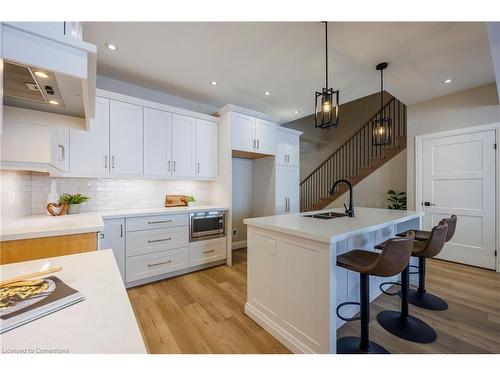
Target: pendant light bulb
[(326, 107)]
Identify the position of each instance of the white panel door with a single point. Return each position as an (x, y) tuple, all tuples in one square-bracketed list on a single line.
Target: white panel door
[(126, 138), (157, 142), (89, 149), (292, 186), (458, 177), (183, 146), (206, 149), (265, 135), (242, 132), (113, 237), (292, 149)]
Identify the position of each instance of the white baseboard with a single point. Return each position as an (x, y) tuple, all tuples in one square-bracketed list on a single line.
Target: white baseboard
[(239, 245)]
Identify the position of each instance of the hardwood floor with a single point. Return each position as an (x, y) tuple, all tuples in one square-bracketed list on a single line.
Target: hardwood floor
[(202, 312)]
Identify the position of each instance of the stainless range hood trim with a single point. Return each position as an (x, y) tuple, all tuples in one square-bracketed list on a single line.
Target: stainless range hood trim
[(62, 54)]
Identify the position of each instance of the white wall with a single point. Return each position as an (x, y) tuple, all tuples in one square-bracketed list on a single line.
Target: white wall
[(465, 109), (372, 191), (242, 196)]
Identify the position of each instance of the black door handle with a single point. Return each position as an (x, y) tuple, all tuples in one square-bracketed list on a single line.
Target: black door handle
[(427, 204)]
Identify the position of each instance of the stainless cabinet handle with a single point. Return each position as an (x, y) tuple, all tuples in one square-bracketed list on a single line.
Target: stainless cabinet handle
[(101, 236), (254, 144), (159, 264), (105, 161), (159, 222), (258, 144), (160, 240), (198, 167), (169, 165), (208, 251), (174, 165), (121, 230), (61, 152), (113, 162)]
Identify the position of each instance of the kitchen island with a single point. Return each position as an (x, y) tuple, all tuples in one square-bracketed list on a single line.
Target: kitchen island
[(294, 285)]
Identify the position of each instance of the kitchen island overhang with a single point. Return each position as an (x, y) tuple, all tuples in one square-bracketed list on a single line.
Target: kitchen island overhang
[(294, 285)]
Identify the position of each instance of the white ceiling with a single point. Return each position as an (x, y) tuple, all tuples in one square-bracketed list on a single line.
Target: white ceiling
[(287, 59)]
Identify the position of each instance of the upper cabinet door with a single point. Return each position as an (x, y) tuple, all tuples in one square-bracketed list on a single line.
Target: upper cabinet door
[(280, 148), (265, 135), (183, 146), (157, 142), (206, 149), (59, 147), (126, 135), (243, 132), (292, 149), (89, 149)]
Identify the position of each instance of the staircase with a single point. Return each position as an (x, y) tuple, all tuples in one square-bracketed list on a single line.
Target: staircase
[(354, 160)]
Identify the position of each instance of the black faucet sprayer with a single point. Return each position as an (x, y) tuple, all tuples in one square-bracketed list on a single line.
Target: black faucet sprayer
[(349, 211)]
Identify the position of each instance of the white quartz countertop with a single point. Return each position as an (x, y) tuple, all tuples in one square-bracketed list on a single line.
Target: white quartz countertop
[(332, 230), (102, 323), (36, 226)]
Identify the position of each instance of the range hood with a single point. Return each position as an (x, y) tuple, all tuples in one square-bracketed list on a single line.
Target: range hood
[(47, 73)]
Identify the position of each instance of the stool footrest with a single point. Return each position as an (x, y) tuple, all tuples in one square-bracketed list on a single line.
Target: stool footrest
[(414, 272), (390, 293), (344, 318)]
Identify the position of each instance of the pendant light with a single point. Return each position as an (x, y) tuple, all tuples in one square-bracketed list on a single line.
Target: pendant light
[(382, 125), (326, 103)]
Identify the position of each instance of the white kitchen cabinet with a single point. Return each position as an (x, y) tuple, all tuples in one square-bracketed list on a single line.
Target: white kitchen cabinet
[(35, 145), (113, 237), (252, 134), (242, 132), (287, 189), (157, 142), (89, 150), (265, 136), (287, 147), (126, 138), (59, 146), (206, 149), (183, 146)]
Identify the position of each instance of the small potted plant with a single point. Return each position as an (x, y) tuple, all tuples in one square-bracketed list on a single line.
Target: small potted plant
[(73, 201), (190, 200), (397, 201)]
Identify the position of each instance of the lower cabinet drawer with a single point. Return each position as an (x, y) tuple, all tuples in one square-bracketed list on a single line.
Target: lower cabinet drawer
[(144, 266), (155, 240), (202, 252)]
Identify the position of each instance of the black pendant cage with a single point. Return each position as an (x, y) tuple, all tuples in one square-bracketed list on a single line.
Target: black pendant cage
[(326, 108), (382, 131)]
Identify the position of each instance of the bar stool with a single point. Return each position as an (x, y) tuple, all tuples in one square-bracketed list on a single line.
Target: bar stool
[(401, 323), (392, 260), (421, 297)]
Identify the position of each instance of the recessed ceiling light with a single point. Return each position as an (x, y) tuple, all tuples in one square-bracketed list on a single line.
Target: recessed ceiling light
[(296, 111), (448, 80), (213, 83), (41, 74), (267, 93), (111, 46), (53, 102)]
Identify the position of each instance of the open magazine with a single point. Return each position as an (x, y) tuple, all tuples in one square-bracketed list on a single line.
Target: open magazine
[(21, 304)]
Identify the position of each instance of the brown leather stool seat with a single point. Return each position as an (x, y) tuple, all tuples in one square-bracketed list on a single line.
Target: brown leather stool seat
[(424, 235), (392, 260)]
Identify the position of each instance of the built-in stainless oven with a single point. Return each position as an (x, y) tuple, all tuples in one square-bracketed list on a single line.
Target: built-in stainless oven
[(207, 224)]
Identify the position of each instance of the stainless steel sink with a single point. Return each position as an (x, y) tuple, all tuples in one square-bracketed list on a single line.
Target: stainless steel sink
[(326, 215)]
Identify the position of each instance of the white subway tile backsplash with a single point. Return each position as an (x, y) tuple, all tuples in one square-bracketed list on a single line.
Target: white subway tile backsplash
[(105, 193)]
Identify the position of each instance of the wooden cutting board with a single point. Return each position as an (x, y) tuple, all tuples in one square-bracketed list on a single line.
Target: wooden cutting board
[(175, 201)]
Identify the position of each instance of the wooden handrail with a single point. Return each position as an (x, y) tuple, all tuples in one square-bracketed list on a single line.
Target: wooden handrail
[(367, 123)]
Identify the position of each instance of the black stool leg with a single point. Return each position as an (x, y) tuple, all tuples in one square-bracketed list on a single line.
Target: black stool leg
[(361, 345), (420, 297), (401, 323)]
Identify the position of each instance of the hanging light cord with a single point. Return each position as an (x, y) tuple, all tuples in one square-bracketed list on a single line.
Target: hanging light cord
[(381, 91), (326, 54)]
